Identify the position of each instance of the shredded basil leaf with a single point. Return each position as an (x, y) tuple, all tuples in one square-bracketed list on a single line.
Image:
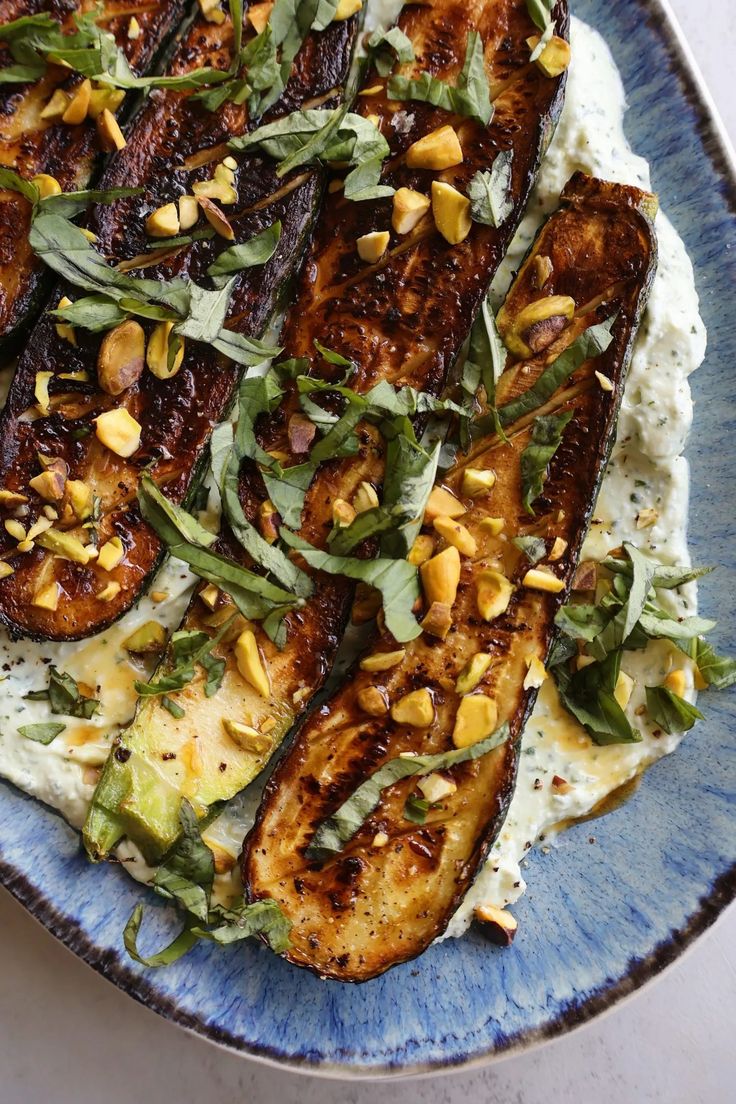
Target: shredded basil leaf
[(546, 438), (490, 192), (256, 251), (718, 671), (388, 47), (64, 696), (470, 96), (670, 711)]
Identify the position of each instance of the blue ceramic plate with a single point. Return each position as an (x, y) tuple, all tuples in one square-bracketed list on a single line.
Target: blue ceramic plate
[(598, 920)]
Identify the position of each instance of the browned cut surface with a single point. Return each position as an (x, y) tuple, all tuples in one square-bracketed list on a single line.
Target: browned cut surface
[(374, 906), (178, 414), (31, 145)]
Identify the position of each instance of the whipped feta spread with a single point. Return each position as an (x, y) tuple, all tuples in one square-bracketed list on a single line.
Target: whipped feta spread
[(646, 473)]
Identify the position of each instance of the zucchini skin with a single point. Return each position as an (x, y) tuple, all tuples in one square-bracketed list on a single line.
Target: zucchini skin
[(404, 321), (177, 415), (370, 908), (71, 154)]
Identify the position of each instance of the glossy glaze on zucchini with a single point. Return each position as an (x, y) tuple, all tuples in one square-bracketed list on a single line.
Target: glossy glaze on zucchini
[(32, 145), (395, 885), (403, 320), (174, 143)]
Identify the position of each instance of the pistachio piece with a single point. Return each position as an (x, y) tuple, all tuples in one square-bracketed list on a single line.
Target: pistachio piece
[(456, 535), (188, 212), (118, 431), (473, 672), (478, 481), (451, 212), (383, 661), (6, 569), (157, 352), (371, 247), (15, 529), (442, 502), (372, 701), (76, 111), (104, 98), (41, 391), (148, 639), (346, 8), (64, 545), (11, 499), (380, 839), (498, 924), (624, 687), (216, 217), (536, 325), (437, 621), (493, 593), (541, 271), (81, 498), (54, 110), (209, 595), (111, 554), (49, 485), (246, 737), (537, 578), (409, 207), (109, 132), (64, 331), (535, 673), (120, 360), (365, 498), (250, 664), (221, 190), (415, 708), (675, 682), (47, 597), (438, 150), (47, 185), (258, 16), (110, 591), (421, 550), (163, 222), (212, 11), (492, 526), (268, 521), (475, 719), (343, 513), (134, 28), (434, 787), (554, 58), (441, 576), (558, 549), (301, 432)]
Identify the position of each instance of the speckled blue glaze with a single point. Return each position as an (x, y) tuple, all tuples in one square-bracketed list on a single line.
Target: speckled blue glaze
[(599, 918)]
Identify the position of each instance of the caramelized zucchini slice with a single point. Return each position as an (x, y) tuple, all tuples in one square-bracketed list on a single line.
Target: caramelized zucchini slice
[(103, 440), (35, 140), (396, 883), (402, 320)]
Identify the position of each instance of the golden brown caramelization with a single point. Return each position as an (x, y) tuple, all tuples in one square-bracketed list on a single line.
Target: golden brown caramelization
[(396, 884)]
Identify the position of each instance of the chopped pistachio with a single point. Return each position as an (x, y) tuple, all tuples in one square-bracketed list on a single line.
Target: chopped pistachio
[(41, 391), (383, 661), (415, 708), (76, 112), (246, 737), (493, 593), (188, 212), (157, 352), (118, 431), (250, 664), (342, 513), (120, 360), (409, 208), (537, 578), (108, 129), (65, 545), (421, 550), (47, 597), (473, 672), (109, 592), (558, 549), (81, 498), (435, 787), (475, 720), (6, 569), (451, 212), (492, 526), (441, 576), (111, 554), (372, 701), (149, 638), (64, 331), (371, 247), (438, 150), (437, 621), (534, 327), (365, 498), (442, 502), (478, 481), (603, 381), (456, 534)]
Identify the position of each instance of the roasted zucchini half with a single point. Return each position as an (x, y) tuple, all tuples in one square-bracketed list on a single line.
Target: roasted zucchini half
[(35, 140), (403, 320), (174, 145), (395, 885)]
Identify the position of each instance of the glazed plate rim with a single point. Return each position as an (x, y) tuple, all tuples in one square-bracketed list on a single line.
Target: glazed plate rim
[(608, 994)]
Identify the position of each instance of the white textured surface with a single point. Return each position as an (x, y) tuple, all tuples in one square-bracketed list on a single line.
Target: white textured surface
[(68, 1037)]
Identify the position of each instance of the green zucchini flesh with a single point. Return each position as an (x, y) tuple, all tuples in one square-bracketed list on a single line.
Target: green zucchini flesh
[(396, 883), (403, 320)]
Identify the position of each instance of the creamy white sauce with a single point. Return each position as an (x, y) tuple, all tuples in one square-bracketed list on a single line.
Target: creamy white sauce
[(646, 471)]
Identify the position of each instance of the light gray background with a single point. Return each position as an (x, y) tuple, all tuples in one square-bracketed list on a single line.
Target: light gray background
[(68, 1037)]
